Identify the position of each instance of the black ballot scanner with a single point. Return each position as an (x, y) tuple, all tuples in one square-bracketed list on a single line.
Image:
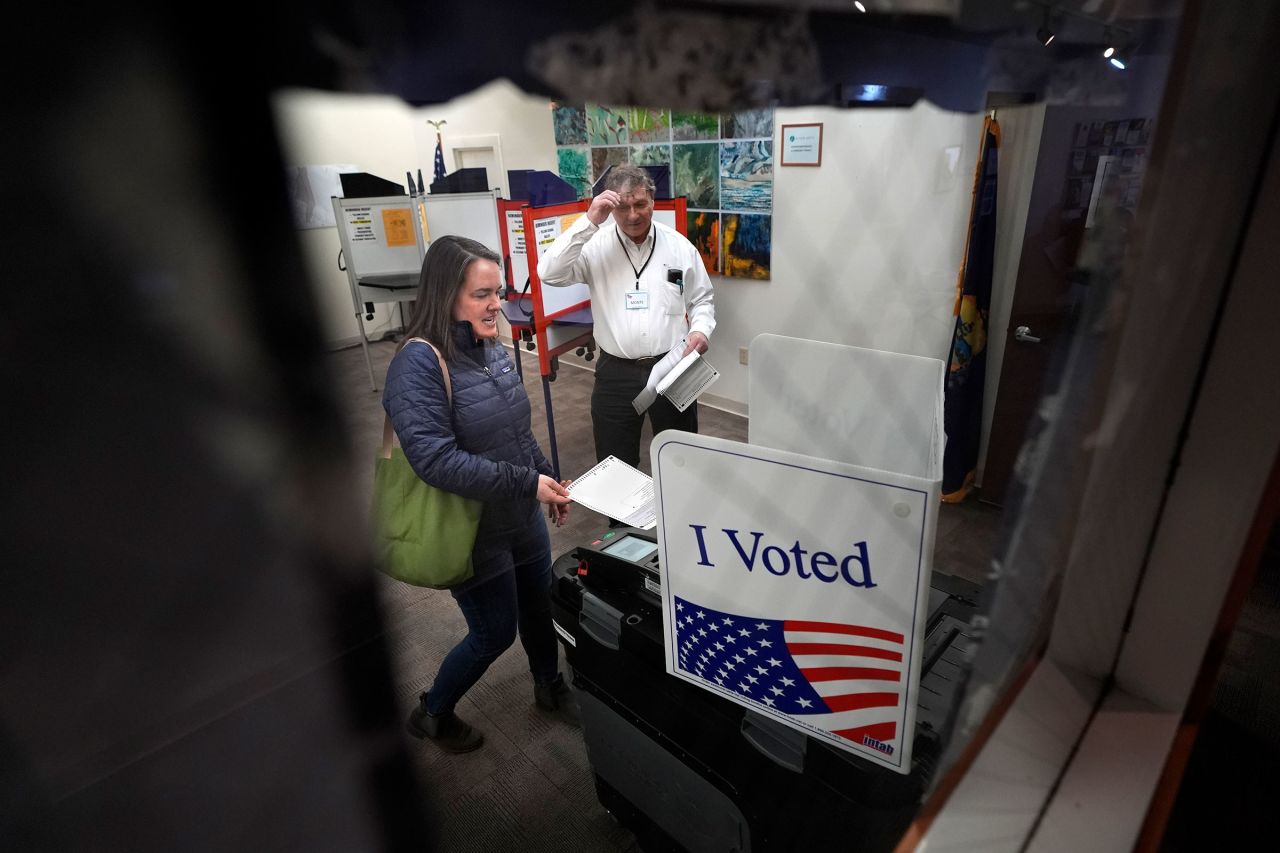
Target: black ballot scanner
[(685, 769), (623, 559)]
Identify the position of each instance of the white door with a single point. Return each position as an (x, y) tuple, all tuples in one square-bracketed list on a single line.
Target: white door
[(483, 151)]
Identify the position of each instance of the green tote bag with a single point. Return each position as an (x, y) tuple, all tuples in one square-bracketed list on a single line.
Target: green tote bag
[(424, 534)]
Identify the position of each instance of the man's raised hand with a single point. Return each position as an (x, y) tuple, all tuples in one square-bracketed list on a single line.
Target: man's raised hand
[(601, 206)]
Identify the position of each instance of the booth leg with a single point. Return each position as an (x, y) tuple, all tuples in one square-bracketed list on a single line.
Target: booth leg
[(551, 426), (364, 344)]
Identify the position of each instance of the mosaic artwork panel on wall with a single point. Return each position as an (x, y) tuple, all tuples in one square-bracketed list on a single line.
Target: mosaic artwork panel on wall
[(688, 127), (695, 174), (721, 163), (704, 233), (746, 176), (570, 125), (747, 245), (603, 158), (747, 124), (574, 165), (651, 155)]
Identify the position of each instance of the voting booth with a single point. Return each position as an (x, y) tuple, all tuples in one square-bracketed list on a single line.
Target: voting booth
[(385, 238), (383, 242), (781, 674)]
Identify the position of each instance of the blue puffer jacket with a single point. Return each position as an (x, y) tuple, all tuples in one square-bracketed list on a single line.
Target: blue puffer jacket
[(484, 448)]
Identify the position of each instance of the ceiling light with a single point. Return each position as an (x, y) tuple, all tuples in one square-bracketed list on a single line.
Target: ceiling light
[(1117, 62), (1109, 42), (857, 4)]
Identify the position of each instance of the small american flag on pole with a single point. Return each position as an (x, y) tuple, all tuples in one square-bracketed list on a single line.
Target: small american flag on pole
[(439, 166), (845, 679)]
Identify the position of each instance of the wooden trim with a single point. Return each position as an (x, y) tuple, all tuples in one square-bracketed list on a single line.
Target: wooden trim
[(782, 144), (947, 785), (1160, 808)]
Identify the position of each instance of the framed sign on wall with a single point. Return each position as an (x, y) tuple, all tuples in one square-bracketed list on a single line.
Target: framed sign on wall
[(801, 144)]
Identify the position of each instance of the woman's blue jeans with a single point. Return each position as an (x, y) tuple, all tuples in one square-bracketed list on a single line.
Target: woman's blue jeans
[(516, 600)]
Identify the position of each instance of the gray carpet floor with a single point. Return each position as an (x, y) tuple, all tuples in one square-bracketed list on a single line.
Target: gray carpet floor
[(530, 786)]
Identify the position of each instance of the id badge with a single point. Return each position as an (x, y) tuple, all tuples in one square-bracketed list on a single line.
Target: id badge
[(637, 300)]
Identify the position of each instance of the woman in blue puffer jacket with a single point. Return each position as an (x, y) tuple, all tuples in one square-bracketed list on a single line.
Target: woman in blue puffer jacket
[(479, 445)]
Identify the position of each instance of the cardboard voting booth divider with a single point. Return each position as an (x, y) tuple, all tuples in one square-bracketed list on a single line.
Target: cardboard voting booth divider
[(383, 241), (800, 590), (539, 228), (378, 236), (473, 215), (515, 257)]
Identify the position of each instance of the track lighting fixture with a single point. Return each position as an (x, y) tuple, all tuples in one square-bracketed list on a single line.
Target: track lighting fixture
[(1045, 34), (1116, 41)]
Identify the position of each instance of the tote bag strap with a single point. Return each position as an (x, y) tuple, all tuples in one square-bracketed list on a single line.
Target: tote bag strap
[(387, 433)]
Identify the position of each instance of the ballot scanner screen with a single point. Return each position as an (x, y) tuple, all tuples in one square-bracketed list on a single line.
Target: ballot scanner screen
[(632, 548)]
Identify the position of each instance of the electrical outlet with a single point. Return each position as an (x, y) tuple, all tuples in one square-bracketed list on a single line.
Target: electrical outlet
[(742, 355)]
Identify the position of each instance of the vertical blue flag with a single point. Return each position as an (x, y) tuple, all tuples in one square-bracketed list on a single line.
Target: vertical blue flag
[(967, 365), (439, 168)]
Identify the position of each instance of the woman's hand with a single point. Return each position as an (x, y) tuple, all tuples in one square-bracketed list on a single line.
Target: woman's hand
[(559, 513), (550, 492)]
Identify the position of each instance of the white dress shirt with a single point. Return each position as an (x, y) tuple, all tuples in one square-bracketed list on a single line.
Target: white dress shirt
[(595, 255)]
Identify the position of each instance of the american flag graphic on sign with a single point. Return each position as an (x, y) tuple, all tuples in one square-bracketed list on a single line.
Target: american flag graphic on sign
[(845, 679)]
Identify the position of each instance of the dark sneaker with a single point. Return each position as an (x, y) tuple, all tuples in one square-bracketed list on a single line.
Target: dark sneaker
[(446, 731), (557, 700)]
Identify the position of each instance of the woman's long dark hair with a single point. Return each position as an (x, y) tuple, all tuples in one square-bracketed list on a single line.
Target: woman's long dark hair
[(444, 270)]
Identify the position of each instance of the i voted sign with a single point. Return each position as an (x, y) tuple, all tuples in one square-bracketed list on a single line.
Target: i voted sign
[(796, 587)]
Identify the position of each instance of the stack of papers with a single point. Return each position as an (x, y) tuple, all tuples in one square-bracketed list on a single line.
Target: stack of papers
[(679, 379), (615, 489), (687, 380)]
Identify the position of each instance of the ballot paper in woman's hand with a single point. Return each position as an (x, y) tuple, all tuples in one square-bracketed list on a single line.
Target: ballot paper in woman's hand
[(615, 489)]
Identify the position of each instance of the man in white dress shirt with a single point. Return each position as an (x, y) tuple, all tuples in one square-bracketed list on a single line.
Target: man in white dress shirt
[(649, 290)]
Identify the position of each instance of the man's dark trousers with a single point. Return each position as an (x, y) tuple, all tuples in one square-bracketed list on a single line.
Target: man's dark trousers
[(614, 421)]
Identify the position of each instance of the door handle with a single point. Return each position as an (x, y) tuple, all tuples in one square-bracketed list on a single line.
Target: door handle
[(1023, 333)]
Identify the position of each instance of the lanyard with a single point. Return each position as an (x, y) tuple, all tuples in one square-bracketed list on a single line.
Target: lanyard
[(627, 255)]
